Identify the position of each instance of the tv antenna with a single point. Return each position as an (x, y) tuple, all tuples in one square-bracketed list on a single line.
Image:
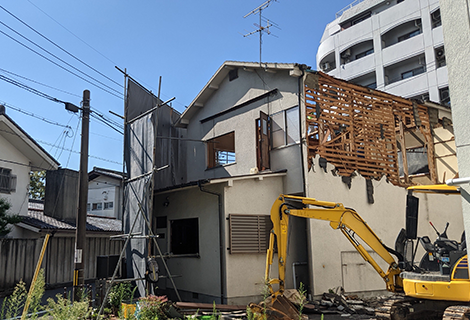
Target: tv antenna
[(260, 26)]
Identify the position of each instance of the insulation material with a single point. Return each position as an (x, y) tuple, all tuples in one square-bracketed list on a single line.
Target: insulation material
[(359, 129)]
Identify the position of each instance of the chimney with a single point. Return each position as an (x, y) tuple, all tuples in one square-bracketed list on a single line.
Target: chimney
[(61, 201), (2, 109)]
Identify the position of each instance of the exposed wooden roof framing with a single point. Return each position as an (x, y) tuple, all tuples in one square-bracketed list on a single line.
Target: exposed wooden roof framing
[(359, 129)]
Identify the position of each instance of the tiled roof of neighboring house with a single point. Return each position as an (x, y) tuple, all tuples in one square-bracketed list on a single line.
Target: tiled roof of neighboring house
[(96, 172), (36, 218)]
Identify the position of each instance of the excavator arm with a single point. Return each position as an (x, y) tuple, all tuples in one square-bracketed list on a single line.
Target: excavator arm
[(345, 219)]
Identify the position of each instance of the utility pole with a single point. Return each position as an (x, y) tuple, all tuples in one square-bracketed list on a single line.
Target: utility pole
[(80, 234)]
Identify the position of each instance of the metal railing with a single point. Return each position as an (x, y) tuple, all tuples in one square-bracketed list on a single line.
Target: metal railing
[(352, 4)]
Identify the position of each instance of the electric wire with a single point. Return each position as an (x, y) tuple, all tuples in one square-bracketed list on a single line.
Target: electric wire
[(62, 67), (37, 32), (30, 89), (72, 33), (37, 82), (65, 149), (73, 142), (105, 122), (36, 116), (61, 60)]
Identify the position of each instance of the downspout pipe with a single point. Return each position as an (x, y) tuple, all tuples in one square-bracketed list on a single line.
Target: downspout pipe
[(304, 163), (221, 239)]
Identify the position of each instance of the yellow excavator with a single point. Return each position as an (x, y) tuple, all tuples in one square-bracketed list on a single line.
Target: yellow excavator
[(438, 287)]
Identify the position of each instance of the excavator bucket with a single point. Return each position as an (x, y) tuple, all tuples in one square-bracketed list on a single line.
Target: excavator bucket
[(278, 308)]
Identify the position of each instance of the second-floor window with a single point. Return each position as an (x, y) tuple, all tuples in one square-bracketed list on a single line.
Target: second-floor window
[(221, 150), (285, 127), (108, 205), (97, 206), (7, 181)]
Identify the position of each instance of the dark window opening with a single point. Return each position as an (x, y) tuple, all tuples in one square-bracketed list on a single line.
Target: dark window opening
[(372, 85), (233, 74), (409, 35), (444, 96), (184, 236), (436, 18), (161, 222), (221, 150), (412, 73), (440, 57), (365, 53)]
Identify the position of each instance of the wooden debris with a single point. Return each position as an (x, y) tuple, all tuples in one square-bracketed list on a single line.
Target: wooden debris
[(356, 128)]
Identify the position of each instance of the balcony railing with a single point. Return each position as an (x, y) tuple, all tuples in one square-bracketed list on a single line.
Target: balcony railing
[(352, 4)]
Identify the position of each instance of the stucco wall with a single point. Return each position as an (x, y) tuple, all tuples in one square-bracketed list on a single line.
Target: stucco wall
[(248, 85), (245, 272), (19, 198), (195, 275), (456, 25), (333, 258)]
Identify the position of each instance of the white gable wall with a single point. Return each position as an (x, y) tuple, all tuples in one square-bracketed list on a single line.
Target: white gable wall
[(19, 198), (248, 85)]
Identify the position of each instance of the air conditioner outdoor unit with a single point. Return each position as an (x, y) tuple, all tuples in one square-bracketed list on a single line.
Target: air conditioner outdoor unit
[(440, 53), (444, 94), (325, 66)]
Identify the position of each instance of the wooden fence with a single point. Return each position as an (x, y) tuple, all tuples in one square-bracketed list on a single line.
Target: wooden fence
[(18, 258)]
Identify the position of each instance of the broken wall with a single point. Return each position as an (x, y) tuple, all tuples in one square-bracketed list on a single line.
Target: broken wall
[(358, 129)]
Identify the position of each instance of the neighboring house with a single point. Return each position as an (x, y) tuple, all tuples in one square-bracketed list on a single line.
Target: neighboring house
[(56, 215), (19, 155), (105, 193), (256, 131), (18, 256), (394, 46)]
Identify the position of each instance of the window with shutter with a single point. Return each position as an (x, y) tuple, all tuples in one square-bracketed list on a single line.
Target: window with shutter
[(249, 233), (7, 181)]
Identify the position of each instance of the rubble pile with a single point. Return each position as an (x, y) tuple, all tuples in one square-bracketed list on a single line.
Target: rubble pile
[(347, 305)]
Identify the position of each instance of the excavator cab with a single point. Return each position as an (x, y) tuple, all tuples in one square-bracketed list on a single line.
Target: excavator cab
[(440, 255)]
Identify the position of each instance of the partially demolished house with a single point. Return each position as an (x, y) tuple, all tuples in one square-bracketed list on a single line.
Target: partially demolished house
[(256, 131)]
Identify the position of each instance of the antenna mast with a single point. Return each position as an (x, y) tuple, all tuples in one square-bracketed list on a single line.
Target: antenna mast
[(260, 29)]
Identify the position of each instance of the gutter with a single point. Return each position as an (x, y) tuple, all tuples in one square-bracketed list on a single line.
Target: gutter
[(221, 239)]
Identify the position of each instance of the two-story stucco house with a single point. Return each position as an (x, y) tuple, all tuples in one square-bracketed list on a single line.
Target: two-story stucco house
[(259, 130), (19, 155)]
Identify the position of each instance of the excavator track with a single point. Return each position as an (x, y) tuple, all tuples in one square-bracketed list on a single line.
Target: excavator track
[(407, 308), (457, 313), (395, 308)]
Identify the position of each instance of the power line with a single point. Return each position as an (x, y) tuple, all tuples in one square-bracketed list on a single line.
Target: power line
[(36, 116), (61, 60), (42, 84), (30, 89), (37, 32), (62, 67), (72, 33), (65, 149)]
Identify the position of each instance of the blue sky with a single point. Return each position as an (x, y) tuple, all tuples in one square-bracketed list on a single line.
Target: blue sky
[(182, 41)]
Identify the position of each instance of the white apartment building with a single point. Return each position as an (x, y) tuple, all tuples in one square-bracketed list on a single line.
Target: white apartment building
[(396, 46)]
